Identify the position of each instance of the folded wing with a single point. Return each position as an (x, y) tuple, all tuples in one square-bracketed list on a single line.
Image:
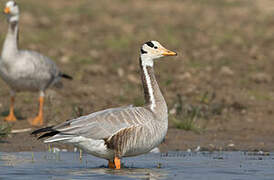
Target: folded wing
[(99, 125)]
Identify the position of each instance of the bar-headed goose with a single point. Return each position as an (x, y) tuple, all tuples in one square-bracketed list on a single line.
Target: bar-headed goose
[(121, 132), (25, 70)]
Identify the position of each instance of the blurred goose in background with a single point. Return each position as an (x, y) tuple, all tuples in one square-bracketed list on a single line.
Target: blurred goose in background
[(25, 70), (125, 131)]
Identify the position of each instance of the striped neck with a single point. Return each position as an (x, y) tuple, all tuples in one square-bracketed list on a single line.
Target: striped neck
[(10, 46), (153, 96)]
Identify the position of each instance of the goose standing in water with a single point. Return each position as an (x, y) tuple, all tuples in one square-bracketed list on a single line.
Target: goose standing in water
[(121, 132), (25, 70)]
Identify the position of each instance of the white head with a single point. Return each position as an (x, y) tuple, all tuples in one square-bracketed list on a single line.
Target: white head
[(12, 11), (152, 50)]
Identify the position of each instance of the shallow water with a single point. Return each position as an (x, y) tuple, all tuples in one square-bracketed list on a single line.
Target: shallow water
[(172, 165)]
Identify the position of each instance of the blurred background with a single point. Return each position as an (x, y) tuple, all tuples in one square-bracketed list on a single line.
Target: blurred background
[(219, 89)]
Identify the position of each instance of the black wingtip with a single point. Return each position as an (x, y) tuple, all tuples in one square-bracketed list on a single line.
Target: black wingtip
[(38, 131), (49, 134), (66, 76)]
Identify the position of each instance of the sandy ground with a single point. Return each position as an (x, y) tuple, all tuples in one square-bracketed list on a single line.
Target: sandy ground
[(224, 68)]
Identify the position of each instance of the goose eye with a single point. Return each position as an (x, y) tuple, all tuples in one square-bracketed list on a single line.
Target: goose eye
[(155, 47)]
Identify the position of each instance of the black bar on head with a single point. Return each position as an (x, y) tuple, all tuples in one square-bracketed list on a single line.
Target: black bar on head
[(150, 44)]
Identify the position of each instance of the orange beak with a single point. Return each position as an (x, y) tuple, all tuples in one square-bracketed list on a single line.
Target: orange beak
[(7, 10), (169, 53)]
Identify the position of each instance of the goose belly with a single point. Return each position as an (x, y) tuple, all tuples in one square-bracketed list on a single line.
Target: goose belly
[(24, 84)]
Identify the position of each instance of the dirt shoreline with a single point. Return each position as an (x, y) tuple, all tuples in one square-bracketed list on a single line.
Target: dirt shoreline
[(176, 140)]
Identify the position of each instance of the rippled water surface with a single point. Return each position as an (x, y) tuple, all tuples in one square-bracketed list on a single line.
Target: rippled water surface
[(172, 165)]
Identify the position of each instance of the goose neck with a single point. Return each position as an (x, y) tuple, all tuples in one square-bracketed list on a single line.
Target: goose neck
[(10, 46), (152, 92)]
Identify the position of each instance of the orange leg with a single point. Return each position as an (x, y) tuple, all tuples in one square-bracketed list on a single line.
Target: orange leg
[(11, 117), (111, 164), (38, 120), (117, 163)]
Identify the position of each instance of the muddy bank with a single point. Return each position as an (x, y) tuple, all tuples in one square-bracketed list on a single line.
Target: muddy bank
[(176, 140)]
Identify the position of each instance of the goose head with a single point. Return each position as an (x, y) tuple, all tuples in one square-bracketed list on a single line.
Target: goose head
[(152, 50), (12, 11)]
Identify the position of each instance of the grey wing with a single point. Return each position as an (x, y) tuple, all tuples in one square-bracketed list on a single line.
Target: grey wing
[(102, 124)]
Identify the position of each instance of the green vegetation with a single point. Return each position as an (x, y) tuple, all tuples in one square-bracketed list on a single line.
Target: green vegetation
[(139, 101), (187, 122), (186, 115), (77, 111), (5, 129)]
